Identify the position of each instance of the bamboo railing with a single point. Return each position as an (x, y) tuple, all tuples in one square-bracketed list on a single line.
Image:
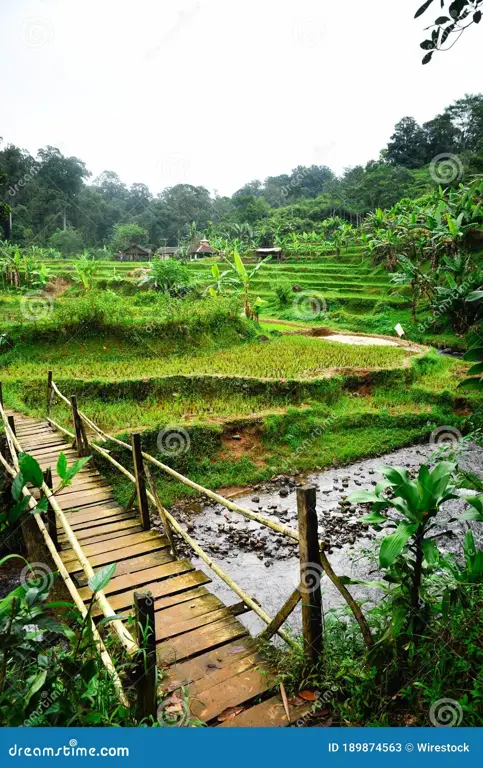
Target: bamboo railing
[(13, 446), (273, 625)]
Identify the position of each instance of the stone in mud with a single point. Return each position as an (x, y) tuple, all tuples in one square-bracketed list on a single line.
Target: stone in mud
[(255, 499), (283, 493), (236, 437)]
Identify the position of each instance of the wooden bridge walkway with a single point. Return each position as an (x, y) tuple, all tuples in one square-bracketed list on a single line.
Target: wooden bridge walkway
[(202, 649)]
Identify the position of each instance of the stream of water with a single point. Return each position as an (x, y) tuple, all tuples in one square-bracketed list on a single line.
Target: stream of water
[(266, 564)]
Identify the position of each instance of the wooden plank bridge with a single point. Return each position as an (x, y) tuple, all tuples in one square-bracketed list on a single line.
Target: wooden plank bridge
[(203, 651)]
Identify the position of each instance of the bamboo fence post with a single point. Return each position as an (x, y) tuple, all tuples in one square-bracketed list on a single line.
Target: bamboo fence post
[(140, 475), (80, 437), (162, 514), (146, 637), (281, 616), (11, 421), (310, 572), (51, 518), (50, 391)]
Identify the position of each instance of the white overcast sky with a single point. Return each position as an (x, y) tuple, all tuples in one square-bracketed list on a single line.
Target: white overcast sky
[(220, 92)]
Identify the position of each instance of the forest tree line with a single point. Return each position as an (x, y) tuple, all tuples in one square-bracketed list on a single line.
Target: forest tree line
[(53, 200)]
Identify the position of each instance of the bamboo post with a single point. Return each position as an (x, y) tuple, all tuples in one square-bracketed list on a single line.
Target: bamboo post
[(50, 391), (310, 572), (140, 480), (80, 443), (51, 518), (162, 513), (146, 638), (281, 616), (11, 421)]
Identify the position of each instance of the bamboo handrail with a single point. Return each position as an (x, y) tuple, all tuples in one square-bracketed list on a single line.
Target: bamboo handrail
[(199, 551), (105, 657), (123, 634), (249, 514)]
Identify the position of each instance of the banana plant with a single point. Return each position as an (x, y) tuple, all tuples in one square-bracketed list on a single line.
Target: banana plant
[(242, 278)]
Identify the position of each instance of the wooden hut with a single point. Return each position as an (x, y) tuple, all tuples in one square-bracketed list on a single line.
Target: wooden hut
[(276, 253), (134, 252), (200, 249)]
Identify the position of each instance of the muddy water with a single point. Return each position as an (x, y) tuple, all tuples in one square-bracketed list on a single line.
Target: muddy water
[(266, 564)]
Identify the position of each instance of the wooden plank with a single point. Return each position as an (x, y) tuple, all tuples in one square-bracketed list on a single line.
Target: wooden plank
[(230, 693), (118, 554), (180, 598), (89, 495), (191, 643), (204, 666), (267, 714), (161, 589), (223, 673), (98, 532), (189, 609), (92, 515), (118, 543), (134, 564), (166, 630), (139, 578)]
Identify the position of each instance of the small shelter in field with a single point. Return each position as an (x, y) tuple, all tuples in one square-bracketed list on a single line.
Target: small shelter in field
[(262, 253), (165, 252), (134, 253), (200, 249)]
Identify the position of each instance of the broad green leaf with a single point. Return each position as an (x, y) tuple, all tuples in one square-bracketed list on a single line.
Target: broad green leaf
[(477, 368), (364, 497), (393, 545), (30, 469), (474, 296), (101, 579), (474, 355), (17, 486), (431, 551), (42, 506), (62, 465), (36, 685), (74, 469), (375, 518), (472, 384)]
